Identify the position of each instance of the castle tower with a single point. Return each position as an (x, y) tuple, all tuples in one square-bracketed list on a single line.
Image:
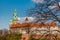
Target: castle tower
[(15, 15), (14, 19)]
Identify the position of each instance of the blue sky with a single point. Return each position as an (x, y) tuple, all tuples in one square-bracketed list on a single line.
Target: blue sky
[(7, 8)]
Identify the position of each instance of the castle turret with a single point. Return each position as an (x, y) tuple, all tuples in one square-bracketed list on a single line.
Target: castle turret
[(15, 15), (14, 18), (26, 20)]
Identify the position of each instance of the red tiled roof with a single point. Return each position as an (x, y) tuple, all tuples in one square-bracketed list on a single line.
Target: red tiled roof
[(18, 25), (36, 25), (53, 24)]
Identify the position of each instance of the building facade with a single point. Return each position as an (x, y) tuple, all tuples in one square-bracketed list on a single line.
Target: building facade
[(28, 26)]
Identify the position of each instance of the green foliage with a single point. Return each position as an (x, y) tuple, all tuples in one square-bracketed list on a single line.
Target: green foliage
[(10, 36), (42, 39)]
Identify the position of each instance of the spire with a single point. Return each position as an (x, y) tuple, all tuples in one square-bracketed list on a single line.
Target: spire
[(13, 20), (15, 15), (26, 19)]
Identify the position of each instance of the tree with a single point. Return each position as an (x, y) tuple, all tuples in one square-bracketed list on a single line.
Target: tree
[(13, 37), (43, 12), (46, 11)]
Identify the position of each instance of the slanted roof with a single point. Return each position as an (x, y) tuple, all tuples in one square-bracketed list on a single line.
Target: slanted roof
[(31, 24)]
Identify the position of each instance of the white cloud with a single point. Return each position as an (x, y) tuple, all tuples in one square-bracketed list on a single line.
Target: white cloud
[(38, 1), (22, 19), (59, 3)]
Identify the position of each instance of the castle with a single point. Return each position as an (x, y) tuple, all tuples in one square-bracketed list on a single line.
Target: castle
[(27, 26)]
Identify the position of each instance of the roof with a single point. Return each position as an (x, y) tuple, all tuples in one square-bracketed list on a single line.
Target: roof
[(52, 24), (31, 24), (19, 25)]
